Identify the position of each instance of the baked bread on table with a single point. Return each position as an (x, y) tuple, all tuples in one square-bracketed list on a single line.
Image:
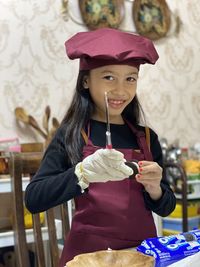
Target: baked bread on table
[(112, 258)]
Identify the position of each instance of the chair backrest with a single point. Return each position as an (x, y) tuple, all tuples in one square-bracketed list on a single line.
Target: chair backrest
[(26, 164), (32, 147), (175, 173)]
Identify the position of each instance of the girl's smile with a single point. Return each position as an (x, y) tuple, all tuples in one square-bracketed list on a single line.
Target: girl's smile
[(116, 104)]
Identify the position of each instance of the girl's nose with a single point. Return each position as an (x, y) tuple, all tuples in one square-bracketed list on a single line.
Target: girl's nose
[(119, 88)]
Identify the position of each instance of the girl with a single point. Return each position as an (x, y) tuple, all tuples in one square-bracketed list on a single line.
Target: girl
[(111, 209)]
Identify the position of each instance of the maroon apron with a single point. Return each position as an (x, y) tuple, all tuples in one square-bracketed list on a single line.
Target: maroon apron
[(112, 214)]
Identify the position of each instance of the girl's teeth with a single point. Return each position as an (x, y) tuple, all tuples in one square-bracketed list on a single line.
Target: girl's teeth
[(116, 102)]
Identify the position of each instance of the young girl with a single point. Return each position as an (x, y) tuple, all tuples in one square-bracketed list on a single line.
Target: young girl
[(112, 210)]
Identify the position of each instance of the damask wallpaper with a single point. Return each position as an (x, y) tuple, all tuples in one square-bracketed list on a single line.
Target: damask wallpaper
[(35, 71)]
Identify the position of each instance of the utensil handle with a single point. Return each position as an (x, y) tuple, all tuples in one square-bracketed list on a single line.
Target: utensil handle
[(108, 140)]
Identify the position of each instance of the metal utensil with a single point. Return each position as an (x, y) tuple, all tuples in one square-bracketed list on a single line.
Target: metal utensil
[(108, 133), (133, 165)]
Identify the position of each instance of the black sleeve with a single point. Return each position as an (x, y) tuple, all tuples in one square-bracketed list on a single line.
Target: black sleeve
[(55, 181), (166, 204)]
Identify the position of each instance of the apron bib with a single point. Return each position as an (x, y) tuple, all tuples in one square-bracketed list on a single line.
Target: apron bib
[(112, 214)]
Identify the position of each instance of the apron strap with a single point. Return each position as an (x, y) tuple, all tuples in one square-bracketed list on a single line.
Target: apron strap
[(147, 132), (140, 137), (84, 135), (143, 140)]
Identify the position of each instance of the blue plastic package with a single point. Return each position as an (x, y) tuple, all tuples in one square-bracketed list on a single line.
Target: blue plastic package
[(169, 249)]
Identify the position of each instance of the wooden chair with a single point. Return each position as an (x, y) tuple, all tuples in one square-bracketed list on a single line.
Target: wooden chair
[(25, 147), (180, 175), (32, 147), (21, 164)]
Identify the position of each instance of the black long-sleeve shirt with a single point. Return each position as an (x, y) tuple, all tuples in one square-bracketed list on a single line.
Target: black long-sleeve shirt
[(56, 183)]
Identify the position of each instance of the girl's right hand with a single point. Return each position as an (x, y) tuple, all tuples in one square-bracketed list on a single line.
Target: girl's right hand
[(102, 166)]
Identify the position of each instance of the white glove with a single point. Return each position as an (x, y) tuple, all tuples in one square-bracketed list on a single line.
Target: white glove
[(102, 166)]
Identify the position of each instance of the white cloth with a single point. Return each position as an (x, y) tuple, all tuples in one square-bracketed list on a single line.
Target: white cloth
[(102, 166)]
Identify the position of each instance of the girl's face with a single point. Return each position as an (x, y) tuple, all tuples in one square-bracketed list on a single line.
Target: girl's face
[(120, 82)]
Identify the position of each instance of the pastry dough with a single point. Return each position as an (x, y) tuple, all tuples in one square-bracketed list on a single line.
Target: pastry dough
[(112, 258)]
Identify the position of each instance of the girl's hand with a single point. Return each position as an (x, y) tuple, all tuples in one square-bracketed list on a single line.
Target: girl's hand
[(102, 166), (150, 175)]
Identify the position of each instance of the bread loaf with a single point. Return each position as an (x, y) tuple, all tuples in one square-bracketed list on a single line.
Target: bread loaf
[(112, 258)]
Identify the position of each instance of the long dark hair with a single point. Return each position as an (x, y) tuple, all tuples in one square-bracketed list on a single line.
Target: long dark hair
[(80, 112)]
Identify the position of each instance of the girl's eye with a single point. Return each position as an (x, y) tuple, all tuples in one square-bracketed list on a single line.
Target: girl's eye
[(131, 79), (109, 77)]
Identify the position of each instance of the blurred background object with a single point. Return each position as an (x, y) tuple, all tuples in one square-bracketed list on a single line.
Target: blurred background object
[(49, 125), (182, 170)]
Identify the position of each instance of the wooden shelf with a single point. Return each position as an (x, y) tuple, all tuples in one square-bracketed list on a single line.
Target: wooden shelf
[(5, 184), (7, 238)]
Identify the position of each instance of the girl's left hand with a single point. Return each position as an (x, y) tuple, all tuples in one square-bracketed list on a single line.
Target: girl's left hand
[(150, 175)]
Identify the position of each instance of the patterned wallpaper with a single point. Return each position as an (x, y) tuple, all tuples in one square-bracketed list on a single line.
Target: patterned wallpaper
[(35, 71)]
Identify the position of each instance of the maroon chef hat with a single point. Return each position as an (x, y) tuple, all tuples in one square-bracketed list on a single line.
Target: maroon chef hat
[(107, 46)]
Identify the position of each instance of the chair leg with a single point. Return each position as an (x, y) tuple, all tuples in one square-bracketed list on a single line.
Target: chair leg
[(53, 242), (38, 240)]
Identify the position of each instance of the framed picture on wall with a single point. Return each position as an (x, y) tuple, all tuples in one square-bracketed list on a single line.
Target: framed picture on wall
[(102, 13), (151, 18)]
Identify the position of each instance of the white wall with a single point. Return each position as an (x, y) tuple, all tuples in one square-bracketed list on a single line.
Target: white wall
[(34, 70)]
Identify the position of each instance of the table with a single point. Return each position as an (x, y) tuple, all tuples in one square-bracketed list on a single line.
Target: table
[(193, 261)]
